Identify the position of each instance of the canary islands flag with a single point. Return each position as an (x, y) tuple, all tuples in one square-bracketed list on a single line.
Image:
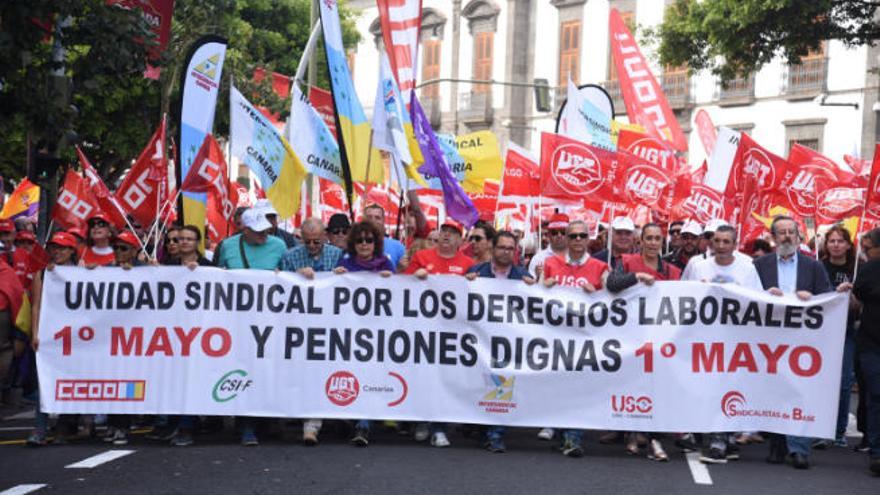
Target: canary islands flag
[(257, 143), (351, 122), (23, 202)]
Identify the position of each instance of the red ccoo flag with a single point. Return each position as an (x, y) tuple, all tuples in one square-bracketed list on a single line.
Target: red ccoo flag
[(146, 185), (75, 202)]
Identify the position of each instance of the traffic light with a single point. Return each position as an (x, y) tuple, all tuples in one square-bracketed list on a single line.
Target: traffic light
[(43, 168), (542, 95)]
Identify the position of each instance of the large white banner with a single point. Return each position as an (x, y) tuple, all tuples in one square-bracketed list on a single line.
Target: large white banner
[(678, 356)]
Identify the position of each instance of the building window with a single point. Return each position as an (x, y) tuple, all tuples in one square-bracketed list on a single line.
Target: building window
[(569, 52), (806, 132), (431, 67), (483, 60), (807, 78), (739, 91)]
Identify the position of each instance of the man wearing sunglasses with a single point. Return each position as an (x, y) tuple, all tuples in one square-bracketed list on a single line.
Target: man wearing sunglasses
[(558, 243), (314, 254), (337, 230), (688, 244)]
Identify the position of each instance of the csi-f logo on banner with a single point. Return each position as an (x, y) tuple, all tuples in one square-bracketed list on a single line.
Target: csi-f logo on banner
[(230, 385)]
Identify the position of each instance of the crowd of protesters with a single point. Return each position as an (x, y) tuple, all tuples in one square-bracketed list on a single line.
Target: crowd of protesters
[(566, 254)]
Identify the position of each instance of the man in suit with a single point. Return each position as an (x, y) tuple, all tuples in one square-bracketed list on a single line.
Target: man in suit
[(789, 272)]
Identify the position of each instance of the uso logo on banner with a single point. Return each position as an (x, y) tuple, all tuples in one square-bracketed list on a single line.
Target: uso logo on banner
[(576, 169)]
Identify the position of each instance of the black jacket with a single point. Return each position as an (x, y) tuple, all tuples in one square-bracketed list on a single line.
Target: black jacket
[(867, 290), (811, 275)]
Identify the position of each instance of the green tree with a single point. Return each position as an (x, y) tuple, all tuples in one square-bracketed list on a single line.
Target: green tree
[(736, 37)]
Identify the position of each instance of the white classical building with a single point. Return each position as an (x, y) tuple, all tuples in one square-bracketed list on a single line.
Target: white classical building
[(520, 41)]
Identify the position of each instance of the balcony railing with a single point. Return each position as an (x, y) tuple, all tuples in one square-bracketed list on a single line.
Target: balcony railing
[(475, 108), (807, 78), (739, 91), (676, 86), (613, 89)]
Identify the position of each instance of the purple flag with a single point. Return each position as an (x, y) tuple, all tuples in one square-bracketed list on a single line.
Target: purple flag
[(458, 204)]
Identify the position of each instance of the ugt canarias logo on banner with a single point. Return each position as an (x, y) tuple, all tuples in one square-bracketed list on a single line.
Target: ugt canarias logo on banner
[(571, 168)]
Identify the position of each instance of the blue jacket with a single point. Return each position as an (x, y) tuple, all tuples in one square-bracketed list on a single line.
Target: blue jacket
[(811, 275), (485, 270)]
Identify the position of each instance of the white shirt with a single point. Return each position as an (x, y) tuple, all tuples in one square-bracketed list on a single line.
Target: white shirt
[(741, 272), (539, 258), (704, 256)]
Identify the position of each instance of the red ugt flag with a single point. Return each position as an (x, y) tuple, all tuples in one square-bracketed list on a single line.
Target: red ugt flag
[(571, 169)]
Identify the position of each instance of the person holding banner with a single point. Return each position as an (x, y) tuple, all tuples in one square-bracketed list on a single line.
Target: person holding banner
[(98, 251), (867, 289), (722, 267), (62, 250), (444, 259), (481, 239), (622, 241), (253, 249), (188, 239), (265, 207), (364, 253), (312, 256), (500, 266), (575, 269), (558, 243), (337, 230), (789, 272), (840, 263)]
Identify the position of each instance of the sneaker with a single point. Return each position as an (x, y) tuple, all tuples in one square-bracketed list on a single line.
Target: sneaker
[(572, 449), (546, 434), (656, 452), (863, 446), (310, 438), (249, 439), (841, 442), (37, 439), (732, 453), (162, 433), (496, 445), (713, 456), (422, 432), (120, 437), (641, 439), (632, 445), (183, 438), (110, 435), (439, 440), (821, 444), (361, 437), (687, 443)]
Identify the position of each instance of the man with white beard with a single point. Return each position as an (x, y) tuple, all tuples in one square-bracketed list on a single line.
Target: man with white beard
[(788, 271)]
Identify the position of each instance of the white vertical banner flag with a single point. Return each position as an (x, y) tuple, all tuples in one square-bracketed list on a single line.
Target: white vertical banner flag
[(721, 159), (311, 139)]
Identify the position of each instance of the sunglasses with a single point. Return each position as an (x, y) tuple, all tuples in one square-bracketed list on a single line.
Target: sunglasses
[(313, 241), (581, 235), (674, 232), (365, 240), (98, 223), (337, 231), (556, 232), (172, 240), (477, 238)]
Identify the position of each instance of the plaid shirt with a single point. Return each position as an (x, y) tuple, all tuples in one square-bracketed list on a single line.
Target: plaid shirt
[(299, 257)]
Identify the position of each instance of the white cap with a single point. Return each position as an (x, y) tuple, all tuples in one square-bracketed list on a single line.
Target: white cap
[(712, 225), (255, 220), (623, 223), (265, 207), (692, 227)]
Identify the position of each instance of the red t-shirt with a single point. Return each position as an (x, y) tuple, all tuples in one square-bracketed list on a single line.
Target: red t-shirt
[(90, 257), (20, 263), (430, 260), (570, 275), (633, 263)]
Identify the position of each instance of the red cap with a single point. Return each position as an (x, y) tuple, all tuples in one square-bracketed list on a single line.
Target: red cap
[(63, 239), (6, 225), (77, 232), (25, 235), (453, 225), (127, 237), (99, 216), (559, 221)]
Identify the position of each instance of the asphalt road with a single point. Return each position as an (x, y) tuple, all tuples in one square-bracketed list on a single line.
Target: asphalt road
[(396, 464)]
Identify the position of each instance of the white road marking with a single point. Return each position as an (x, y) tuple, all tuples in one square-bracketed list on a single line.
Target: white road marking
[(97, 460), (698, 470), (22, 489)]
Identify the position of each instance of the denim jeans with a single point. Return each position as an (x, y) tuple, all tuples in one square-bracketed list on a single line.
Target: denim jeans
[(574, 436), (870, 361), (495, 431), (847, 379)]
